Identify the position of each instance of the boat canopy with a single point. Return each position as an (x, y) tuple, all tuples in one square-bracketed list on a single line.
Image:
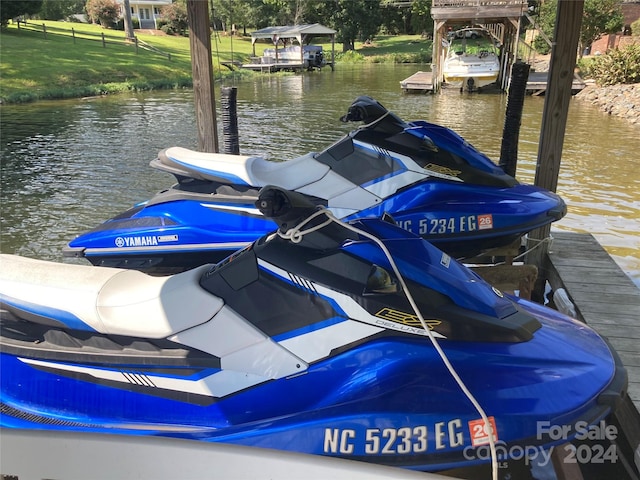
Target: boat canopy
[(299, 32)]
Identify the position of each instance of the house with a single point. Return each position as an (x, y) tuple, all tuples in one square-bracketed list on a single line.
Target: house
[(631, 12), (146, 11)]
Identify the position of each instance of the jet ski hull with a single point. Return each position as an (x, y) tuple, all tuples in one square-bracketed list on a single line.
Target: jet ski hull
[(460, 219), (322, 337), (425, 176), (389, 401)]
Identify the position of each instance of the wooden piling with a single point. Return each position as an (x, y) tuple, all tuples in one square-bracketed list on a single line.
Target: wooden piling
[(554, 120), (202, 71)]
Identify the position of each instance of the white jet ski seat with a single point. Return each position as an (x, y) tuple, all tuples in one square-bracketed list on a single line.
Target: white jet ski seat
[(107, 300), (240, 169)]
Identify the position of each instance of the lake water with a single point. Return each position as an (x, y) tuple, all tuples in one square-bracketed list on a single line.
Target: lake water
[(69, 165)]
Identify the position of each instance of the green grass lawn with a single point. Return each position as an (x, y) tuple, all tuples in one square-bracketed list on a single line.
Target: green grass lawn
[(33, 67)]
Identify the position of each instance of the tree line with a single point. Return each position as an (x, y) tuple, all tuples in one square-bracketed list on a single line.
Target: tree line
[(353, 20)]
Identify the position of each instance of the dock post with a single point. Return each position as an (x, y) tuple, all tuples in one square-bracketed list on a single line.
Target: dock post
[(513, 118), (554, 123), (202, 72), (228, 108)]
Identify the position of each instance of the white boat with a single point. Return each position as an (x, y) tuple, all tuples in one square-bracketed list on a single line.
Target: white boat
[(312, 56), (472, 59), (33, 455)]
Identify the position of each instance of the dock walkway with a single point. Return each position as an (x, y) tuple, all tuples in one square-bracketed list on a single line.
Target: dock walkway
[(607, 300), (419, 82), (605, 297), (537, 83), (280, 66)]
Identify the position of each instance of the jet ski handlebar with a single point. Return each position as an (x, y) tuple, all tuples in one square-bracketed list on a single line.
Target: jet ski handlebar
[(285, 207), (368, 110), (297, 216)]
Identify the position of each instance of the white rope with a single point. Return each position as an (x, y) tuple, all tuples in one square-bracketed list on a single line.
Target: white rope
[(295, 234), (370, 124), (539, 242)]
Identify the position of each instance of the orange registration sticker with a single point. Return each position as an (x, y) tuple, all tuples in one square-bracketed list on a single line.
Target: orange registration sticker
[(485, 222), (479, 434)]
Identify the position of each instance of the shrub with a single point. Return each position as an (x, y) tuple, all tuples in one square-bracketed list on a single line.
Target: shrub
[(120, 23), (104, 12), (616, 66), (541, 46), (350, 56), (635, 28), (174, 19), (420, 57)]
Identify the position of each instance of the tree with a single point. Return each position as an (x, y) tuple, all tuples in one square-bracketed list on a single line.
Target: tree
[(352, 19), (599, 17), (395, 18), (227, 13), (288, 12), (421, 20), (175, 17), (104, 12), (60, 9), (128, 22), (15, 8)]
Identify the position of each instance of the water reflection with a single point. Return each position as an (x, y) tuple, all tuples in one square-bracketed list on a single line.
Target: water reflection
[(69, 165)]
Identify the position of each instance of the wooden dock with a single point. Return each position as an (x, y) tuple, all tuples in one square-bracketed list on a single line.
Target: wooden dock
[(537, 83), (422, 82), (607, 300), (419, 82), (280, 66)]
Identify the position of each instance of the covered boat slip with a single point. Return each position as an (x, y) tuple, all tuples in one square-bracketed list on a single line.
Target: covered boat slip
[(283, 54)]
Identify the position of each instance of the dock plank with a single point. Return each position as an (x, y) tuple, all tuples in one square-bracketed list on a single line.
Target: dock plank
[(607, 300)]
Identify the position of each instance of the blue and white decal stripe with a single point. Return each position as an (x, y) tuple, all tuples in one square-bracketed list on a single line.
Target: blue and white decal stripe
[(233, 208), (329, 322), (63, 316), (193, 165), (317, 344), (302, 283), (347, 306), (406, 163), (409, 164), (194, 247), (409, 173), (389, 185), (217, 384)]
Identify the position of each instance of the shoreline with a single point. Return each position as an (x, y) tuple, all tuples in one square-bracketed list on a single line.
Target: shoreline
[(622, 100)]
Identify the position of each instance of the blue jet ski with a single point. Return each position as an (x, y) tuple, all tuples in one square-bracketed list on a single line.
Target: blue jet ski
[(324, 337), (428, 178)]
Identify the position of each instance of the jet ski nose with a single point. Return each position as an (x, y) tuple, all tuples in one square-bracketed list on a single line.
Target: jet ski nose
[(559, 211)]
